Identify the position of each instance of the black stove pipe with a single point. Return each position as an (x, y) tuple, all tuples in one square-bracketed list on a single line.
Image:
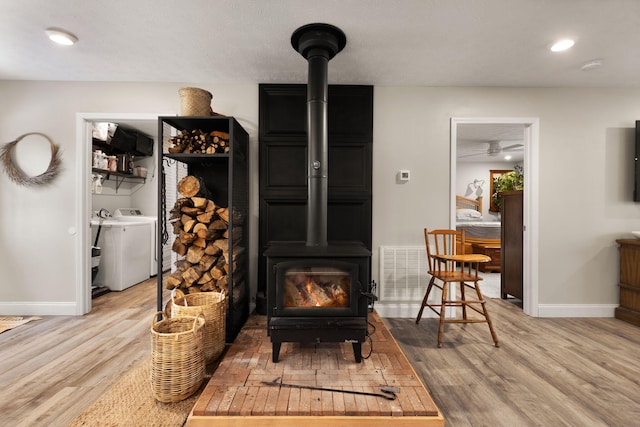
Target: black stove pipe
[(318, 43)]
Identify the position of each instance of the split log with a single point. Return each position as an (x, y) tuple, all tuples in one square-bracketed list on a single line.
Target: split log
[(182, 265), (192, 275), (213, 234), (208, 286), (223, 283), (206, 277), (212, 249), (188, 225), (185, 218), (177, 227), (222, 243), (207, 261), (205, 217), (191, 211), (217, 273), (200, 242), (223, 213), (179, 247), (174, 280), (195, 254), (200, 202), (201, 230), (187, 238), (177, 207), (220, 134), (226, 267), (218, 224)]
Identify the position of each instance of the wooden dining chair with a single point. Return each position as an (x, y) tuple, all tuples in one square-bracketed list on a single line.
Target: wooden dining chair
[(448, 264)]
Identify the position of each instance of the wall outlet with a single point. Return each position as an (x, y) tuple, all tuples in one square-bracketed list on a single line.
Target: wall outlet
[(404, 175)]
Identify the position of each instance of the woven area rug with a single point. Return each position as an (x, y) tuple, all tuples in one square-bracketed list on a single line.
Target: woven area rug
[(130, 403), (10, 322)]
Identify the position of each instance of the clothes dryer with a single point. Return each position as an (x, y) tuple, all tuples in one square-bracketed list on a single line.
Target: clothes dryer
[(136, 215), (125, 253)]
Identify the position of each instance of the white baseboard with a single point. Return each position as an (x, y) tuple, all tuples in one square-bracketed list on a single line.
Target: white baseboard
[(576, 310), (44, 308), (400, 310), (410, 310), (391, 309)]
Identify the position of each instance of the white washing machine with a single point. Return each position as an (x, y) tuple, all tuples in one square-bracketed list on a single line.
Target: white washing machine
[(135, 215), (125, 253)]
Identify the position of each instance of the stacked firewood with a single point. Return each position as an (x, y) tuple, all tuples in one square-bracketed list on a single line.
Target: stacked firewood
[(196, 141), (202, 238)]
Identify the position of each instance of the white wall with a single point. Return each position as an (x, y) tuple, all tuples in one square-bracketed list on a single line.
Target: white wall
[(38, 227), (586, 161), (586, 167)]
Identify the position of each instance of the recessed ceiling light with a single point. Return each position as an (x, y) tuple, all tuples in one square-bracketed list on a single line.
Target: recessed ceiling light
[(507, 157), (561, 45), (61, 36)]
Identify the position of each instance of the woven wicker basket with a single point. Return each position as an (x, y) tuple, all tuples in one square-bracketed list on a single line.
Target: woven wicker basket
[(177, 357), (213, 306), (195, 102)]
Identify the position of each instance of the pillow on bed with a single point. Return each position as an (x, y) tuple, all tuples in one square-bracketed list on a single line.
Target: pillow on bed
[(468, 214)]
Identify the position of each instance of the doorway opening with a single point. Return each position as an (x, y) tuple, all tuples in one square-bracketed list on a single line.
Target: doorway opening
[(146, 192), (485, 142)]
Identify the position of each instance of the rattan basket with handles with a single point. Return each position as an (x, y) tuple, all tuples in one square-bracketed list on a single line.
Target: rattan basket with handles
[(195, 102), (213, 306), (177, 357)]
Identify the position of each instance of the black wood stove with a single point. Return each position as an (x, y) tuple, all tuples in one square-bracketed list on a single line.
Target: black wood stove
[(318, 292)]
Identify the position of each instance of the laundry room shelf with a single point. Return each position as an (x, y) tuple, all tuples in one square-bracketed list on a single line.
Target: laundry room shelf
[(119, 177)]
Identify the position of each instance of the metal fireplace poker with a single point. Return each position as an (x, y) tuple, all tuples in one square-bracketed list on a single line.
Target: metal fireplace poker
[(318, 292)]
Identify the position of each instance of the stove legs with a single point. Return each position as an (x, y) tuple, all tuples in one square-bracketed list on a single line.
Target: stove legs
[(275, 351), (319, 330), (357, 351)]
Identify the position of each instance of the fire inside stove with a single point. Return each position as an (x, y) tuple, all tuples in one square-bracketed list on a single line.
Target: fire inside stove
[(318, 287)]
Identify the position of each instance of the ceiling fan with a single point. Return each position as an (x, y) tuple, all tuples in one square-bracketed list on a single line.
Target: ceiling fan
[(492, 149)]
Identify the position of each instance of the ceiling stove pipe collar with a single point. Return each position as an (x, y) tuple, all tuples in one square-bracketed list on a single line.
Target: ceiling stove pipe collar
[(323, 36)]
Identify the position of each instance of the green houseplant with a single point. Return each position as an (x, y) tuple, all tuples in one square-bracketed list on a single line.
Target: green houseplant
[(513, 180)]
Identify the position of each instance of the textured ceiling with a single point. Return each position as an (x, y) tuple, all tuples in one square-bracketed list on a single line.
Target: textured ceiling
[(389, 42), (474, 139)]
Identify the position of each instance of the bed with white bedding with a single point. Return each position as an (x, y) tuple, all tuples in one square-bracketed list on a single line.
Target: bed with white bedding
[(469, 218)]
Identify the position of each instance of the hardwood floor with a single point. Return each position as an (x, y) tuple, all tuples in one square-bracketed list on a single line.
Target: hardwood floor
[(547, 372), (52, 369)]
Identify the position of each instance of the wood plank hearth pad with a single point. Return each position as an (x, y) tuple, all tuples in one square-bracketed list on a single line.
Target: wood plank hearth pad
[(236, 394)]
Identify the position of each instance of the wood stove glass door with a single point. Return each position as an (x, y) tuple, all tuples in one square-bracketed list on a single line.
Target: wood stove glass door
[(312, 288)]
